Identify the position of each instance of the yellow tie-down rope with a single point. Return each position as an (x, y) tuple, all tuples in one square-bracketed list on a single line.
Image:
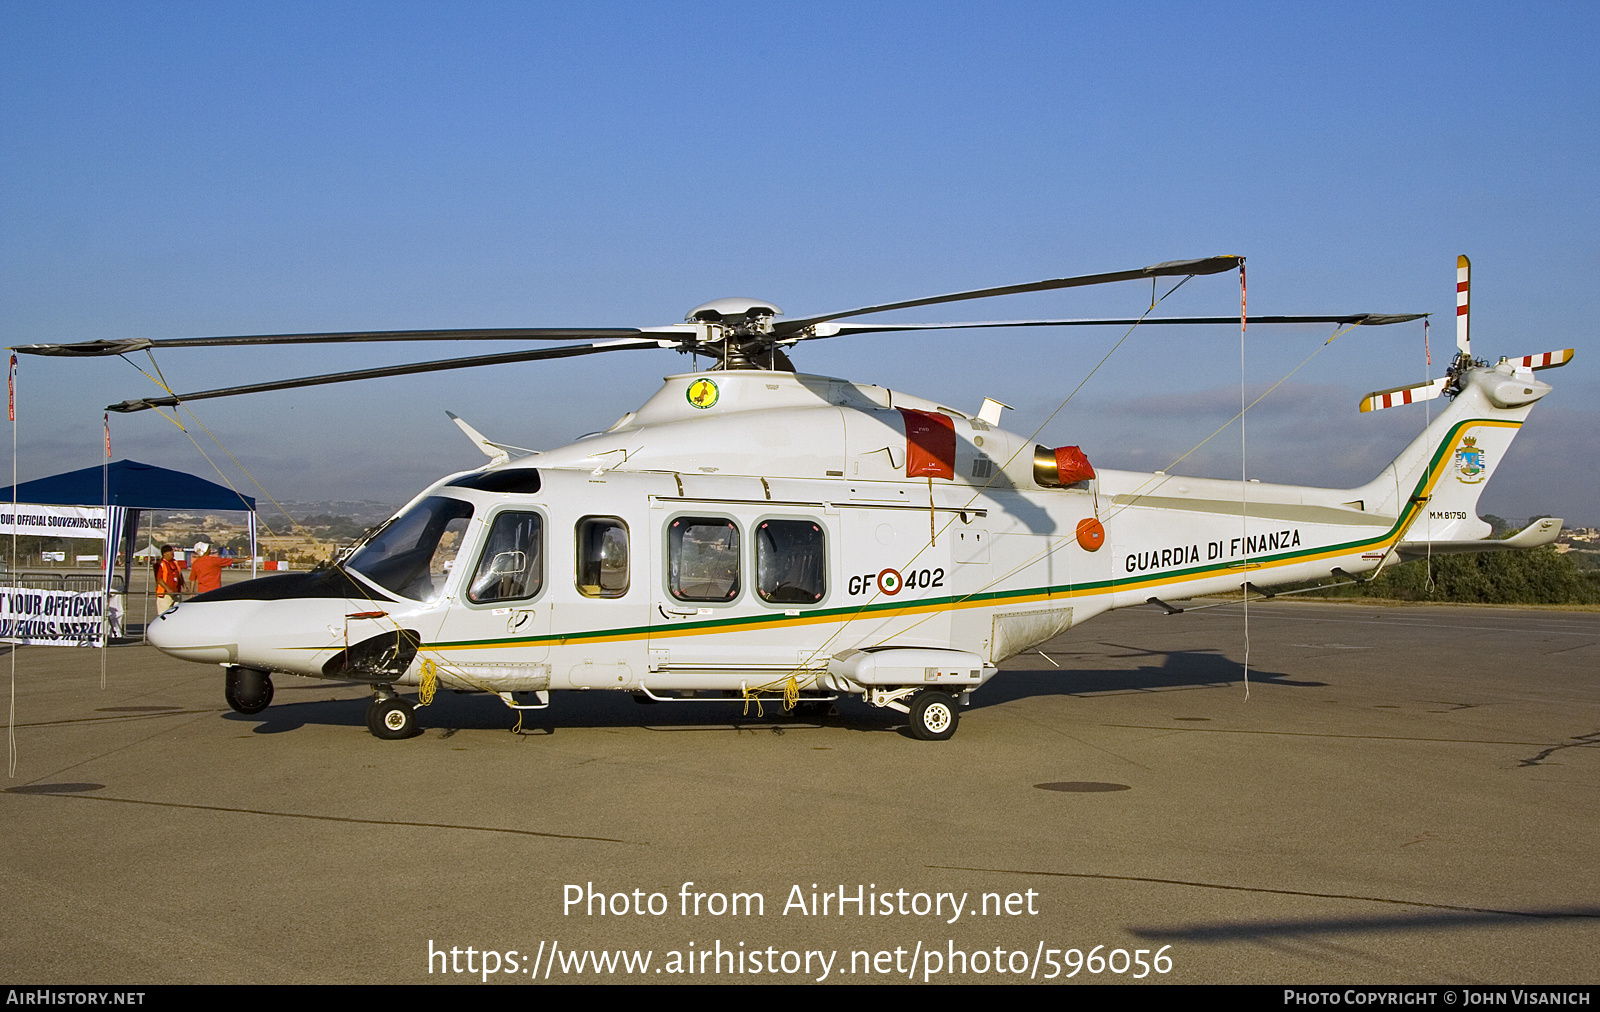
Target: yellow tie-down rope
[(752, 694), (430, 683)]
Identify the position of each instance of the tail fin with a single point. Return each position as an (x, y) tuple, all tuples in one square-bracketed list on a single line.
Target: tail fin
[(1438, 478)]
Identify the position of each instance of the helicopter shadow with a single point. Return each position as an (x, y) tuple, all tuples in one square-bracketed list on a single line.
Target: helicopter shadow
[(1177, 669), (291, 716), (453, 712)]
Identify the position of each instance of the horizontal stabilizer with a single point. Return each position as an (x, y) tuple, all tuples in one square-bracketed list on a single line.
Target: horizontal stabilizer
[(1404, 395), (1549, 360), (1540, 532)]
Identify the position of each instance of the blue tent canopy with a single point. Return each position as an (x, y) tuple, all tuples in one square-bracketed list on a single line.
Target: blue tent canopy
[(132, 486)]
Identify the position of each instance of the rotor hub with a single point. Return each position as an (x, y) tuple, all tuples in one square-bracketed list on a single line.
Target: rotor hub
[(738, 314)]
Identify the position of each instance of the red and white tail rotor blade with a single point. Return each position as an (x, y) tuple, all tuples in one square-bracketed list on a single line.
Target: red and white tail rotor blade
[(1463, 318), (1404, 395), (1548, 360)]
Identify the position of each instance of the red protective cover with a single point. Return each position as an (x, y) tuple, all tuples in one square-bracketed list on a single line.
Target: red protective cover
[(930, 444), (1072, 466)]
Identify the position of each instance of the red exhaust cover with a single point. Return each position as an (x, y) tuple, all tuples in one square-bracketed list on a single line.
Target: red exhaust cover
[(1072, 466)]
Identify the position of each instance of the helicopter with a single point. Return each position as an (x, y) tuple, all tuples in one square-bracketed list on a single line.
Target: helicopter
[(754, 533)]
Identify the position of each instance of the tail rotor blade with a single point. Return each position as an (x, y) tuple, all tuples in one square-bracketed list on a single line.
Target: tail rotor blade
[(1463, 285), (1547, 360), (1397, 396)]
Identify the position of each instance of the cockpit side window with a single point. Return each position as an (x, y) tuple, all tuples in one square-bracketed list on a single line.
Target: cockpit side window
[(413, 555), (703, 559), (511, 567)]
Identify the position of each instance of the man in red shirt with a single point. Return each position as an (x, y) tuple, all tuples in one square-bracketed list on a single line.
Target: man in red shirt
[(207, 568), (169, 580)]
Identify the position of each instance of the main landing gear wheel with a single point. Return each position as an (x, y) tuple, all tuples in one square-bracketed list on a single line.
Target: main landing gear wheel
[(392, 718), (933, 716), (247, 690)]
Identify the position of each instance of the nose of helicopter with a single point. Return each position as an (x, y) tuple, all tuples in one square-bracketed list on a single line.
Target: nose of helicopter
[(204, 631), (290, 624)]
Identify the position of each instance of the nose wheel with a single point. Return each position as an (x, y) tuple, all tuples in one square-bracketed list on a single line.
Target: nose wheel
[(247, 690), (391, 718)]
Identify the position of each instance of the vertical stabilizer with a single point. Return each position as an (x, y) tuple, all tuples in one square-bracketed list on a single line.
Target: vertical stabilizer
[(1445, 469)]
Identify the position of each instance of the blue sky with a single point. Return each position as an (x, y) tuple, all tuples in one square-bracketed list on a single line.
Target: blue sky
[(181, 170)]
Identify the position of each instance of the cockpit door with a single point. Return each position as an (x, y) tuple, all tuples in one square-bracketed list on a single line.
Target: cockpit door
[(496, 611)]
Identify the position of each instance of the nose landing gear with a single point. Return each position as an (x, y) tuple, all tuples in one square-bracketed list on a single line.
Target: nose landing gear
[(247, 690)]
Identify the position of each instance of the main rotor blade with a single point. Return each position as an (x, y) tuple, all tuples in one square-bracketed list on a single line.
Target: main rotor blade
[(409, 369), (113, 346), (1353, 319), (1175, 268)]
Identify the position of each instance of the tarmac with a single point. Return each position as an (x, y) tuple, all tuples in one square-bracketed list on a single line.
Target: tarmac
[(1399, 795)]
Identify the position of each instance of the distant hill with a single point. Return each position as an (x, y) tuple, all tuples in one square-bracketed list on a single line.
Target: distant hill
[(329, 527), (362, 511)]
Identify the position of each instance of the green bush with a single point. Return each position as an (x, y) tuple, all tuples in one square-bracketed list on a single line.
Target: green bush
[(1537, 576)]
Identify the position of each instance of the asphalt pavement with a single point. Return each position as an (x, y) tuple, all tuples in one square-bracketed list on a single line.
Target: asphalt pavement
[(1396, 795)]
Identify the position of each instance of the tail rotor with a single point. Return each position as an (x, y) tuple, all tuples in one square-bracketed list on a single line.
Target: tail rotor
[(1449, 385)]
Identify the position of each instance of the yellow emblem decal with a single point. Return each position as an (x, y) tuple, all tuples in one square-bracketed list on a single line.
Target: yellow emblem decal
[(703, 393)]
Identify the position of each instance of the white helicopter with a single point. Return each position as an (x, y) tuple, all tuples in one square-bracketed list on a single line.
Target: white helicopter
[(755, 533)]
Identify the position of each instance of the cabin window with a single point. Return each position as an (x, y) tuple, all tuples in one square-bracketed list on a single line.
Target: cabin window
[(790, 562), (413, 554), (511, 567), (703, 559), (602, 557)]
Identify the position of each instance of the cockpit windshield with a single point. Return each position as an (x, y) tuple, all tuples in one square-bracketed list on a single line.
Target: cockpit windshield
[(413, 555)]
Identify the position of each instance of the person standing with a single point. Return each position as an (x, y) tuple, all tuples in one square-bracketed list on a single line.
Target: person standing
[(169, 580), (207, 568)]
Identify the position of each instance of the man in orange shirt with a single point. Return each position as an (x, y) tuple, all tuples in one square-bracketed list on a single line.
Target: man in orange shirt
[(207, 568), (169, 580)]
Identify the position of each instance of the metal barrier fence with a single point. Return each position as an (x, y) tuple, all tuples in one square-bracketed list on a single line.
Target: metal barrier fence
[(77, 583)]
